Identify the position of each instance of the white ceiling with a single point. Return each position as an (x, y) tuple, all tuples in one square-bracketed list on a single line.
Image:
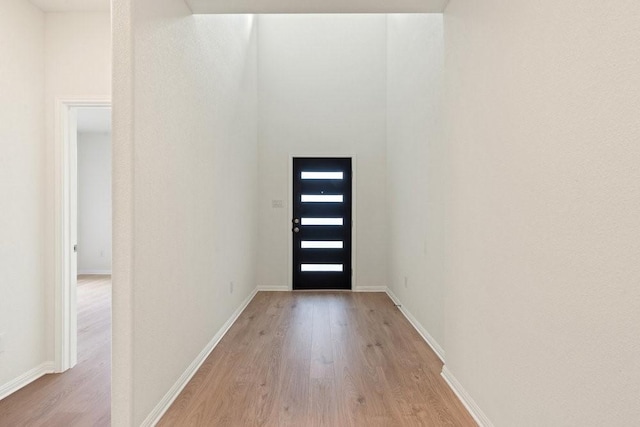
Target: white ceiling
[(95, 120), (317, 6), (73, 5)]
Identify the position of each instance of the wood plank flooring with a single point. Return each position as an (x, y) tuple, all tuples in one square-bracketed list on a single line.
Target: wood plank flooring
[(82, 395), (319, 359)]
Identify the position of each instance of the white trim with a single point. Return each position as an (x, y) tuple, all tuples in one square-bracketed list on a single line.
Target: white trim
[(95, 272), (273, 289), (466, 399), (156, 414), (370, 289), (437, 348), (286, 289), (65, 342), (354, 212), (25, 379)]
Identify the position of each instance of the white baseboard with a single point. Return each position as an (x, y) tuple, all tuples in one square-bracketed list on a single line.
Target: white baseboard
[(154, 417), (369, 289), (437, 348), (286, 289), (25, 379), (475, 411), (273, 289), (95, 272), (465, 398)]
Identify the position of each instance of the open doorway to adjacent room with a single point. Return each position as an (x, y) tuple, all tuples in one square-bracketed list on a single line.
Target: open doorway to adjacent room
[(83, 297), (83, 309)]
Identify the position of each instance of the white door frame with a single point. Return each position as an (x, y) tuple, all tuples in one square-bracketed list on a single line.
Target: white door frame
[(65, 153), (354, 167)]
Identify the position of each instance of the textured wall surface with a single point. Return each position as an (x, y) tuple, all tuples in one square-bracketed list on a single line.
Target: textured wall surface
[(415, 167), (123, 214), (322, 93), (21, 188), (94, 203), (194, 180), (543, 295)]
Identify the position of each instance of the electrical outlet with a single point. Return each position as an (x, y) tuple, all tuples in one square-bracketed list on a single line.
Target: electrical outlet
[(230, 287), (1, 343), (406, 282)]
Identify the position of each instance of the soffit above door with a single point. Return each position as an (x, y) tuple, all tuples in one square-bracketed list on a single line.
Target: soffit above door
[(316, 6)]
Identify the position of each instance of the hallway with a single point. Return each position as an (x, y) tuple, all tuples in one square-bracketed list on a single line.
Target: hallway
[(80, 396), (312, 359), (494, 198)]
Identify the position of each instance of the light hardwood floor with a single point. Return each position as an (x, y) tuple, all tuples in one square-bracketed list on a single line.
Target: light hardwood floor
[(319, 359), (80, 396)]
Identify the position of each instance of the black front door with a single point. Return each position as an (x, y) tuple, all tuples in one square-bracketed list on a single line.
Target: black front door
[(321, 224)]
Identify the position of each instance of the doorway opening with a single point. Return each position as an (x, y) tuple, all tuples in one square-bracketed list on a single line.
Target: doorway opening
[(322, 223), (83, 232)]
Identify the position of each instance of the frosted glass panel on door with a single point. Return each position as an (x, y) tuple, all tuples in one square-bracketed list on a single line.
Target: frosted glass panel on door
[(322, 221), (322, 267), (322, 244), (321, 198), (322, 175)]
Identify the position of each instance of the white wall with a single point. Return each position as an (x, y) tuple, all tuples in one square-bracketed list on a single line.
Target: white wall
[(94, 203), (78, 67), (52, 56), (123, 214), (415, 168), (322, 92), (186, 202), (543, 298), (21, 188)]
